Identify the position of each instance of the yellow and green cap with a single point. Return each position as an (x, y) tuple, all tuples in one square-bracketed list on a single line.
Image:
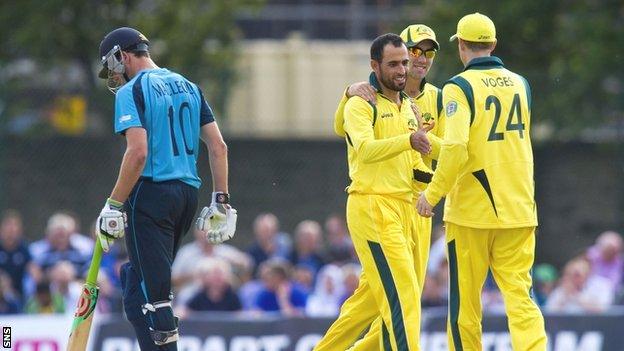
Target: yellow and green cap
[(475, 27), (414, 34)]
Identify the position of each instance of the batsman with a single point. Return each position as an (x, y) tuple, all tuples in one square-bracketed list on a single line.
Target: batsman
[(162, 116)]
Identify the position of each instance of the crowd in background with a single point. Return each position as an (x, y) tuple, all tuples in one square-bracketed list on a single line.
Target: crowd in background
[(309, 273)]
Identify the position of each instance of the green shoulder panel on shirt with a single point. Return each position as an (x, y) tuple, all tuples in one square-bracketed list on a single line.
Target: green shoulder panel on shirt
[(439, 101), (374, 112), (527, 87), (358, 102), (465, 86)]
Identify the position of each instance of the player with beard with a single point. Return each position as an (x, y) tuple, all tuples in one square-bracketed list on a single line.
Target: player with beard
[(422, 44), (381, 140)]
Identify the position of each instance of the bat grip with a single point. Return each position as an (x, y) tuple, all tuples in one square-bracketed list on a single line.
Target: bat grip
[(95, 263)]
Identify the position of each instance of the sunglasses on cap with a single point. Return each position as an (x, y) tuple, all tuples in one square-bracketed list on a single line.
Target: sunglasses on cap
[(417, 52)]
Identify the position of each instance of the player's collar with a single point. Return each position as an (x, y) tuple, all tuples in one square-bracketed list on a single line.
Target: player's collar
[(487, 62), (423, 82), (372, 79)]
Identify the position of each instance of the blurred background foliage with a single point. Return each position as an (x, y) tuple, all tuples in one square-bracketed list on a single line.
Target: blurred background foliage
[(569, 50), (53, 44)]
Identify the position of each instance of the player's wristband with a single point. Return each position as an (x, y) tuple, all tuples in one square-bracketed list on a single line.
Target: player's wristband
[(220, 198), (114, 204)]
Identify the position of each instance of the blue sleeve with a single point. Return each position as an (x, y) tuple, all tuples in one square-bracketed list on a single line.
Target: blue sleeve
[(27, 256), (205, 114), (126, 109), (262, 301), (298, 298)]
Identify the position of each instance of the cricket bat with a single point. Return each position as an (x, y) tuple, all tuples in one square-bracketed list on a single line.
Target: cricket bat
[(79, 335)]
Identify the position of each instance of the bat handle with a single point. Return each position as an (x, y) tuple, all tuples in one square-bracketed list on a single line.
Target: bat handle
[(95, 263)]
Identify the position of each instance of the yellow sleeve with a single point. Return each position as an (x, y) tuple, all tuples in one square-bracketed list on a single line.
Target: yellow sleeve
[(436, 144), (339, 115), (440, 127), (436, 135), (454, 151), (419, 163), (358, 126)]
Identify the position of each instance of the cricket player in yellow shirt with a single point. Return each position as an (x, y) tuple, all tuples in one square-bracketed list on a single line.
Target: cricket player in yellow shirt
[(485, 169), (380, 212), (423, 46)]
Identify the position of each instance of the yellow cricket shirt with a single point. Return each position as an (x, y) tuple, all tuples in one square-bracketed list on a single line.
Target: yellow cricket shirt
[(378, 145), (429, 103), (486, 160)]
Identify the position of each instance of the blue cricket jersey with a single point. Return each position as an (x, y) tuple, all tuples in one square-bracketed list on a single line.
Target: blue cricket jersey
[(172, 110)]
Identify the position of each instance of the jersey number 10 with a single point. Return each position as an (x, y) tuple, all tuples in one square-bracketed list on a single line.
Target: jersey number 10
[(183, 106), (513, 112)]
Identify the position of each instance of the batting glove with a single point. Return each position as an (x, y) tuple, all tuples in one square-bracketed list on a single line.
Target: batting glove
[(218, 220), (111, 223)]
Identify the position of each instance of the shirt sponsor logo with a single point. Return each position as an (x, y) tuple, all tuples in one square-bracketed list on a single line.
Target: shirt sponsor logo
[(125, 118), (387, 114), (451, 108)]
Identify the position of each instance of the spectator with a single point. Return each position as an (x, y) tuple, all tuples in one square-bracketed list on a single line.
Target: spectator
[(81, 242), (303, 275), (112, 262), (63, 282), (579, 292), (544, 281), (45, 301), (435, 291), (9, 302), (308, 240), (216, 293), (437, 253), (15, 259), (491, 297), (279, 294), (57, 246), (328, 293), (339, 245), (351, 273), (185, 264), (606, 257), (109, 296), (269, 242), (250, 289)]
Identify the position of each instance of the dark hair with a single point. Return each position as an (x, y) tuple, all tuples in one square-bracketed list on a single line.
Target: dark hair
[(43, 287), (10, 214), (376, 50), (279, 267), (137, 53), (478, 46)]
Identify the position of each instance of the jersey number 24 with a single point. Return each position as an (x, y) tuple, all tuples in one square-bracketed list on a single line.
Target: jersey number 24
[(515, 113)]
